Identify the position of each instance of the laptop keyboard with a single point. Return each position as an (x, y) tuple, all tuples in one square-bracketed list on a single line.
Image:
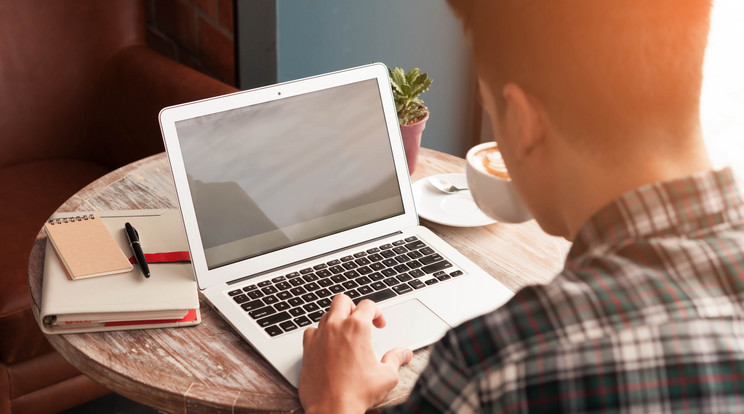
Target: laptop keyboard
[(299, 299)]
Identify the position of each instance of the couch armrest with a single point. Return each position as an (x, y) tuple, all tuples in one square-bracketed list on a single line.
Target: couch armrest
[(136, 84)]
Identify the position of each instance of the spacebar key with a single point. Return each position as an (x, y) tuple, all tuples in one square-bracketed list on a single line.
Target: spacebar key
[(378, 296)]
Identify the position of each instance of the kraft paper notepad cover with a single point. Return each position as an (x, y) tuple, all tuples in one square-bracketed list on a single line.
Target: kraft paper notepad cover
[(86, 248)]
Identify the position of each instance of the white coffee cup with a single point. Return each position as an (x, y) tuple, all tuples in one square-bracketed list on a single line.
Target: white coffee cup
[(495, 196)]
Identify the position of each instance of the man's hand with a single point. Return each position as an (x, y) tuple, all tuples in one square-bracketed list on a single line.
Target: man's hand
[(339, 371)]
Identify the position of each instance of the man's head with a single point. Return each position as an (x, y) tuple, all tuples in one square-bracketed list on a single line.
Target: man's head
[(596, 74)]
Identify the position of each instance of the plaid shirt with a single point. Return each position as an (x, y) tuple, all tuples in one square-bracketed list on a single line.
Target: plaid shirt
[(645, 317)]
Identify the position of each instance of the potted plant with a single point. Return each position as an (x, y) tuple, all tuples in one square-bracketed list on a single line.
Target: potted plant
[(412, 113)]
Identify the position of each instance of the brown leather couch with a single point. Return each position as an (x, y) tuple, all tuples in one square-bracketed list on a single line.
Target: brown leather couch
[(79, 96)]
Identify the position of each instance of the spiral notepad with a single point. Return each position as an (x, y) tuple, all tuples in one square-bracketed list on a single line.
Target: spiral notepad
[(85, 247)]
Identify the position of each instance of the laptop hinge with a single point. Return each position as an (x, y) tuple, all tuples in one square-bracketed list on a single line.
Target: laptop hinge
[(310, 259)]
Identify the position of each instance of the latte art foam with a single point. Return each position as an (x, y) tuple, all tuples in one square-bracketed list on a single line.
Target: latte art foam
[(491, 161)]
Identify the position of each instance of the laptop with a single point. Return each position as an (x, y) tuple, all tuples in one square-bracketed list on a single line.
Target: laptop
[(296, 192)]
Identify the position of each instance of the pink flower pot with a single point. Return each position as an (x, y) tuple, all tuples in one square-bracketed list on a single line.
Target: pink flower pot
[(412, 141)]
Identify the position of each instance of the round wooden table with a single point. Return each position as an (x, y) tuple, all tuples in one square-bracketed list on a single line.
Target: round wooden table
[(209, 368)]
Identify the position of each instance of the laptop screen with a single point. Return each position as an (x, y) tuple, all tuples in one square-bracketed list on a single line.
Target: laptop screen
[(280, 173)]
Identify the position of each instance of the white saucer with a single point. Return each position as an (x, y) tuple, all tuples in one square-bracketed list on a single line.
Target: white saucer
[(458, 210)]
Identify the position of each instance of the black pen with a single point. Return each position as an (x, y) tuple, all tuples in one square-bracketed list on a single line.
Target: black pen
[(134, 243)]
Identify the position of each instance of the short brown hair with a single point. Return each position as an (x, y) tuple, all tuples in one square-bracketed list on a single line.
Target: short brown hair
[(597, 65)]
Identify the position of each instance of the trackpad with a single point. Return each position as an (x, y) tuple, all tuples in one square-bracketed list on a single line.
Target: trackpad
[(409, 324)]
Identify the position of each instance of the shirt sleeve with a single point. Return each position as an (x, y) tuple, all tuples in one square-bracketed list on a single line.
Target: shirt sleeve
[(445, 385)]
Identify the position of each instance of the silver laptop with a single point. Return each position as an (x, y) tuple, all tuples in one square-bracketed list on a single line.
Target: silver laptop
[(296, 192)]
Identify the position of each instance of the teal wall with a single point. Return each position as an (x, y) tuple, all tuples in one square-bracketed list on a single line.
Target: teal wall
[(318, 36)]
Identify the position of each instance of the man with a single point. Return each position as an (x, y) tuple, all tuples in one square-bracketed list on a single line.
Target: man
[(595, 107)]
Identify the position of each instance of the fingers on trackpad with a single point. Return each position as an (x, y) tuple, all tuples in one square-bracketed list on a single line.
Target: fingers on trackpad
[(409, 324)]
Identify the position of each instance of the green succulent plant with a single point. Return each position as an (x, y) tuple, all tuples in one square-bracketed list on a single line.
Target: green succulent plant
[(406, 90)]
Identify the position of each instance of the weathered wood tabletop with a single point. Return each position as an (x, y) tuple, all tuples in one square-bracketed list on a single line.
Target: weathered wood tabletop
[(209, 368)]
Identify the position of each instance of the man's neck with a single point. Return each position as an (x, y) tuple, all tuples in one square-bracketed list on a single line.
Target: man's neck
[(598, 181)]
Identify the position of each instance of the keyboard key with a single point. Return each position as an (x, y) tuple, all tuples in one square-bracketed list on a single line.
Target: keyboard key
[(389, 272), (390, 262), (403, 258), (295, 301), (293, 275), (363, 280), (273, 319), (302, 321), (336, 289), (401, 268), (284, 295), (349, 284), (352, 293), (404, 277), (312, 286), (298, 291), (288, 326), (399, 242), (306, 271), (324, 303), (377, 266), (416, 273), (297, 281), (249, 288), (347, 258), (310, 277), (442, 278), (338, 278), (378, 296), (373, 250), (363, 261), (414, 264), (350, 265), (270, 299), (364, 270), (402, 288), (412, 238), (431, 259), (378, 285), (283, 286), (273, 330), (360, 254), (426, 251), (386, 246), (387, 253), (269, 290), (431, 281), (252, 305), (334, 262), (400, 250), (391, 281), (311, 307), (315, 316), (351, 274), (375, 257), (323, 273), (282, 306), (436, 266), (376, 276), (320, 266), (416, 284), (296, 312), (337, 269), (415, 245), (323, 293), (262, 312), (235, 292), (240, 298), (415, 255), (456, 273), (310, 297), (264, 283), (278, 279), (365, 290), (439, 273), (325, 282), (255, 294)]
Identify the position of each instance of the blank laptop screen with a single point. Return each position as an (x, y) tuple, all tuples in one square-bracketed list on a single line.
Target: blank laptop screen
[(276, 174)]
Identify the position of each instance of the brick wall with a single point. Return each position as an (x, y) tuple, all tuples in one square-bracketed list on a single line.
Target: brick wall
[(197, 33)]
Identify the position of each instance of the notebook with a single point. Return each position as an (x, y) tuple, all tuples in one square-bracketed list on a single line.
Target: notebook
[(169, 298), (295, 192), (85, 247)]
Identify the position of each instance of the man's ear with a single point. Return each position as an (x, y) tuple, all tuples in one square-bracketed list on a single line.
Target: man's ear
[(522, 120)]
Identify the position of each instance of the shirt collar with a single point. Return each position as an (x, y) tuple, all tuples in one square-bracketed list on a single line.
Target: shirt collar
[(677, 207)]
